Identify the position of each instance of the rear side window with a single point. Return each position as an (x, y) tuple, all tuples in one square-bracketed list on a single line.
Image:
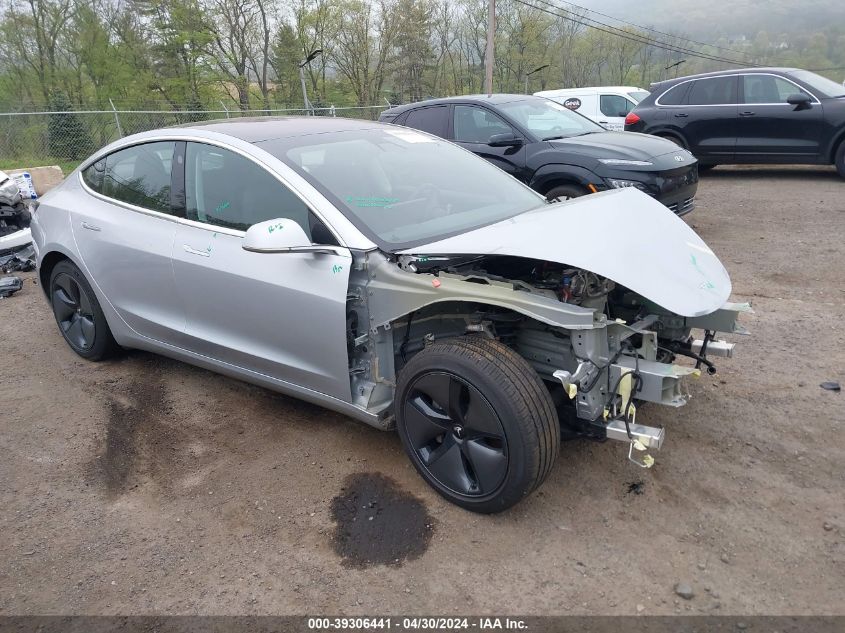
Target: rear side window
[(477, 125), (432, 120), (138, 175), (614, 105), (225, 189), (676, 95), (715, 91), (767, 89)]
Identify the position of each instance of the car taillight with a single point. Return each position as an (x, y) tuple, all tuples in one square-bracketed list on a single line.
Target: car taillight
[(632, 118)]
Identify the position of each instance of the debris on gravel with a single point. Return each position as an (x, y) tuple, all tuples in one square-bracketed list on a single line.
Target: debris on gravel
[(684, 590)]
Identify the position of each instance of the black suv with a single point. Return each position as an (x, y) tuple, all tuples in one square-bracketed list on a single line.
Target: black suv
[(755, 115), (556, 151)]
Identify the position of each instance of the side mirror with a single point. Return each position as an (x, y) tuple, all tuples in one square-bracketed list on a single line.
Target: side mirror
[(622, 114), (508, 139), (281, 236), (800, 100)]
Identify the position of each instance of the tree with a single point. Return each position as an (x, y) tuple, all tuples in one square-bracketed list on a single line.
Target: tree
[(69, 138)]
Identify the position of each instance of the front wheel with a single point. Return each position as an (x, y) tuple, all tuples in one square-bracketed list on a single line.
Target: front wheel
[(477, 423), (565, 192)]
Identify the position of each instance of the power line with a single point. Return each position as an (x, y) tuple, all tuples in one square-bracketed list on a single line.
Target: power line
[(635, 37), (640, 39), (653, 30)]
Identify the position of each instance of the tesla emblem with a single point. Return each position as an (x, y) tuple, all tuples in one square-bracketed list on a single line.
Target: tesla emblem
[(680, 159)]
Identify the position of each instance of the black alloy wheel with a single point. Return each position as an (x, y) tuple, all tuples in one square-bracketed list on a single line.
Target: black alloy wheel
[(456, 434)]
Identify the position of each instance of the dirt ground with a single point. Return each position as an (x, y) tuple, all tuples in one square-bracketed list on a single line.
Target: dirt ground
[(143, 485)]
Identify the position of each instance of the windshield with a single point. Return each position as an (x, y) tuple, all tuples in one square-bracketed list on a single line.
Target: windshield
[(403, 188), (822, 86), (548, 119), (638, 95)]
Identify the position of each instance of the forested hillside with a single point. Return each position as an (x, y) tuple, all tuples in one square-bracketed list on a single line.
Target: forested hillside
[(187, 54)]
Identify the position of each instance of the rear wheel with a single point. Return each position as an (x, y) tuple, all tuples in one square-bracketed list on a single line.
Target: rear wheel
[(840, 159), (477, 423), (78, 313), (565, 192)]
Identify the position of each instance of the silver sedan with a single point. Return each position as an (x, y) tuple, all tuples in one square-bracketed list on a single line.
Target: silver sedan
[(391, 276)]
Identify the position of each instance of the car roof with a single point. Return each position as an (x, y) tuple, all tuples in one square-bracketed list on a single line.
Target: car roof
[(257, 129), (494, 99), (719, 73), (558, 91)]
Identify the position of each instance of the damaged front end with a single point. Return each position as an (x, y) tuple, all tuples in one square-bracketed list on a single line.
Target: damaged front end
[(603, 343)]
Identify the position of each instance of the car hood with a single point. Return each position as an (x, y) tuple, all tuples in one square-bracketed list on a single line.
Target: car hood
[(623, 235), (627, 145)]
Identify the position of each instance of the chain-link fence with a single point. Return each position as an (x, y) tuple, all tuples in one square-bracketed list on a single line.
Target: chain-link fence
[(30, 139)]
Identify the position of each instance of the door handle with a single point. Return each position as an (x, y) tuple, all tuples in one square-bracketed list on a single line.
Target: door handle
[(90, 227), (194, 251), (603, 122), (682, 115), (747, 113)]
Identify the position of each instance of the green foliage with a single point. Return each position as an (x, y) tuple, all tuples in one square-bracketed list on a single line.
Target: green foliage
[(69, 139)]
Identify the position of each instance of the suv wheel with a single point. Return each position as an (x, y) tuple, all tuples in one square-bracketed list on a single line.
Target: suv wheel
[(477, 422), (840, 159)]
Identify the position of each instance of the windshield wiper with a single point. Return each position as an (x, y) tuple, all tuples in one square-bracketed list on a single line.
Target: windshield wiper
[(557, 138)]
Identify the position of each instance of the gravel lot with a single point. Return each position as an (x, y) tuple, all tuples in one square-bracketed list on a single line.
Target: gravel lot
[(142, 485)]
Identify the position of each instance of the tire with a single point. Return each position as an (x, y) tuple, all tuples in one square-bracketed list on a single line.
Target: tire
[(565, 192), (493, 435), (839, 159), (78, 313)]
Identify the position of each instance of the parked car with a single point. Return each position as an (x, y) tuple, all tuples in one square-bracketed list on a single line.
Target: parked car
[(393, 277), (752, 115), (555, 151), (606, 105)]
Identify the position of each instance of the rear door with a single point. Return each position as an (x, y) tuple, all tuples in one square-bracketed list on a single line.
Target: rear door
[(125, 236), (709, 117), (278, 314), (473, 126), (770, 129)]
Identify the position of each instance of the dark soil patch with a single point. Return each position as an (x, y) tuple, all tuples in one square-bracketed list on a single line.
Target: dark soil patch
[(636, 487), (378, 523)]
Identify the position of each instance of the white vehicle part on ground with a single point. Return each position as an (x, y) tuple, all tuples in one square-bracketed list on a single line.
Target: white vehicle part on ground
[(15, 240), (623, 235)]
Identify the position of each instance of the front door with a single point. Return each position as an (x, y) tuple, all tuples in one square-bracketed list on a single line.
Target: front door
[(279, 314), (125, 238), (472, 128), (770, 129)]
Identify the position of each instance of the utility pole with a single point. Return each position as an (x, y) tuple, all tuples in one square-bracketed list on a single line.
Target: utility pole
[(488, 57)]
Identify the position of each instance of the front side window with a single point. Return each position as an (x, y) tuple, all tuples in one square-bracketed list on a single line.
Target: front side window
[(138, 175), (225, 189), (477, 125), (402, 188), (767, 89), (432, 119), (713, 91), (614, 105)]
